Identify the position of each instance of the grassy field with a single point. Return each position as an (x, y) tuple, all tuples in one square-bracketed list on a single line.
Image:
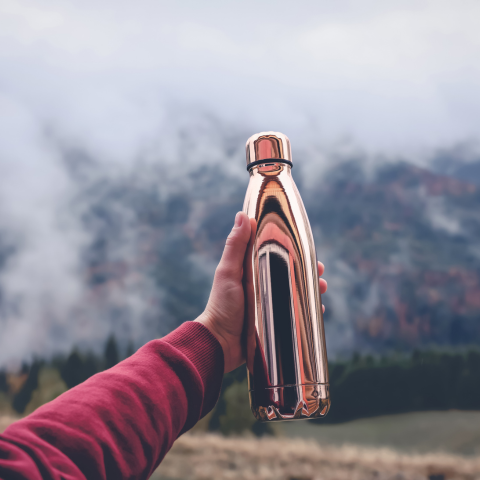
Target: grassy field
[(415, 446), (210, 456), (420, 432)]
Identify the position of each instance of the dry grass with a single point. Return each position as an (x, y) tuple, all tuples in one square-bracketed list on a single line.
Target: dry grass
[(209, 456), (213, 457)]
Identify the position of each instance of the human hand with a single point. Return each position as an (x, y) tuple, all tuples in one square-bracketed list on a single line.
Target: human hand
[(225, 310)]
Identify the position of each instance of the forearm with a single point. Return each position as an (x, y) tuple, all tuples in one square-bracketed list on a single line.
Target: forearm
[(121, 422)]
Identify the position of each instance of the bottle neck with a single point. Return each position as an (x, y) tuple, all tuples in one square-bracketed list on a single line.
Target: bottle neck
[(270, 168)]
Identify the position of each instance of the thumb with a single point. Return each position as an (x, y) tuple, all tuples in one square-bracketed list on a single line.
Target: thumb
[(231, 263)]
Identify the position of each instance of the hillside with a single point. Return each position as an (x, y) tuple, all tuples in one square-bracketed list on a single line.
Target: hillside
[(399, 243)]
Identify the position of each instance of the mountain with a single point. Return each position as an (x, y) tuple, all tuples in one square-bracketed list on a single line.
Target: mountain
[(404, 241), (400, 245)]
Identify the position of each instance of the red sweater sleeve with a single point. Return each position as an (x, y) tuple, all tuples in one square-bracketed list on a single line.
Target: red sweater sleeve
[(120, 423)]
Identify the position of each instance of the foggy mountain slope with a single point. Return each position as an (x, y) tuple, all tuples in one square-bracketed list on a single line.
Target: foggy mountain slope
[(398, 241), (399, 248), (406, 241), (156, 234), (108, 245)]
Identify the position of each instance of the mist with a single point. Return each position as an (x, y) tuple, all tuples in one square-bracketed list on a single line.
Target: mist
[(99, 97)]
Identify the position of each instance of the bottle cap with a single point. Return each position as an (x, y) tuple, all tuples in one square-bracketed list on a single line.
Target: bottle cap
[(268, 146)]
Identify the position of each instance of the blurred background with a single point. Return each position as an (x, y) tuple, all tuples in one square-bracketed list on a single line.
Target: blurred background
[(122, 165)]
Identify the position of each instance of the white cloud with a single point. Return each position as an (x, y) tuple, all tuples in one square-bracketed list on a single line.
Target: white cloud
[(394, 77)]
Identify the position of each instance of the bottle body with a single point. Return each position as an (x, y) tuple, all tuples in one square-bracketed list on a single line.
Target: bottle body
[(286, 351)]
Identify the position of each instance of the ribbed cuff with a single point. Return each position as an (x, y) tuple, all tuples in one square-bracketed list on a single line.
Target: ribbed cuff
[(196, 342)]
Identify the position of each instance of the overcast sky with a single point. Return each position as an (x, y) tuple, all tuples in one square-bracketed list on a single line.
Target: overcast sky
[(116, 79), (395, 75)]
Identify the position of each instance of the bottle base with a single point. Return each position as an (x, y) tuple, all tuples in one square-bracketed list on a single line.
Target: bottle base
[(290, 402)]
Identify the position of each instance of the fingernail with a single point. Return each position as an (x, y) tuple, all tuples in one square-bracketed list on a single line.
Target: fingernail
[(238, 219)]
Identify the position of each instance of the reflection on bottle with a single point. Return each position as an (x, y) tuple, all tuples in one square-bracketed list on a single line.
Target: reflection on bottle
[(279, 319)]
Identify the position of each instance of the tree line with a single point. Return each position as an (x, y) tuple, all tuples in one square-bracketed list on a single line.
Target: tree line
[(362, 386), (423, 380), (366, 386)]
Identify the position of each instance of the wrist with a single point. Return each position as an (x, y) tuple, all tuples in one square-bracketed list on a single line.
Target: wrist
[(207, 321)]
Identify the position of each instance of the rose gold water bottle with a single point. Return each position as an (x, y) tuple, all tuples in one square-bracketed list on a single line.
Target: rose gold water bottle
[(286, 352)]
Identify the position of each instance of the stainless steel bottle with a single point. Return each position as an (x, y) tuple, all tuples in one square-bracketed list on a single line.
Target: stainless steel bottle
[(286, 352)]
